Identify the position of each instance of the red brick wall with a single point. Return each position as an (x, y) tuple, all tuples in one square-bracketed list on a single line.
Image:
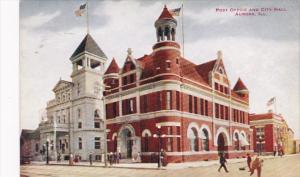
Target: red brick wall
[(269, 138)]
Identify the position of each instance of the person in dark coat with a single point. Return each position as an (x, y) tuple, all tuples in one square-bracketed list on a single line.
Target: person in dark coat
[(91, 158), (222, 163), (249, 161)]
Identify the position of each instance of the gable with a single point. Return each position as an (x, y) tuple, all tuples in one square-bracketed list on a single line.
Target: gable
[(61, 84), (129, 65), (219, 72)]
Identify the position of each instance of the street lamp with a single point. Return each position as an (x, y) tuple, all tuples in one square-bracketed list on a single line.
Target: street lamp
[(159, 136), (104, 125), (260, 142), (47, 152)]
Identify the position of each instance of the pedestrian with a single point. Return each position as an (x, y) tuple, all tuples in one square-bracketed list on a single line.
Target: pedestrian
[(71, 159), (58, 157), (222, 163), (91, 159), (282, 152), (249, 161), (257, 165), (117, 157), (110, 158), (274, 153)]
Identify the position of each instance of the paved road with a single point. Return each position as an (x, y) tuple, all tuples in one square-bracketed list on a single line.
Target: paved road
[(288, 166)]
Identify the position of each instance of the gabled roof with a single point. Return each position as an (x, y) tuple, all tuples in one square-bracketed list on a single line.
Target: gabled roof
[(113, 67), (62, 83), (165, 14), (189, 71), (204, 69), (88, 44), (239, 85)]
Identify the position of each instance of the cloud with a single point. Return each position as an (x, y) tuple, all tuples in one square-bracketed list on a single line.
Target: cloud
[(38, 20), (268, 67)]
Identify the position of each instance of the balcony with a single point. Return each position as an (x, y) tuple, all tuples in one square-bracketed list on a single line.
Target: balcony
[(51, 127)]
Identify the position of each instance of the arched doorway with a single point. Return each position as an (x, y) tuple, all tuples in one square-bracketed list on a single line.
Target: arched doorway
[(222, 144), (126, 143)]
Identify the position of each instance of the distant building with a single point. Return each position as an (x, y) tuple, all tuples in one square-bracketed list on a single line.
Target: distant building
[(30, 145), (297, 146), (193, 106), (271, 133)]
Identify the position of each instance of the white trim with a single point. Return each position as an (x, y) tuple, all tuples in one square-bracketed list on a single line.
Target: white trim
[(115, 135), (163, 113), (192, 125), (204, 126), (233, 134), (227, 136), (175, 124), (195, 152), (175, 86), (146, 131), (165, 48)]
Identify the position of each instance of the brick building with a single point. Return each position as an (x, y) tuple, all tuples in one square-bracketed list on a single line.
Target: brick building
[(192, 105), (270, 133)]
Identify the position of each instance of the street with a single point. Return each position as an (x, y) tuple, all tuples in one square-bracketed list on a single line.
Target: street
[(287, 166)]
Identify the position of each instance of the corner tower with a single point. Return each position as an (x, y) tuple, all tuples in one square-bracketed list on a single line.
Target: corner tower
[(87, 108), (166, 52)]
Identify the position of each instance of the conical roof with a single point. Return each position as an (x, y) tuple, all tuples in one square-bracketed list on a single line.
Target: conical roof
[(88, 44), (165, 14), (113, 67), (239, 85)]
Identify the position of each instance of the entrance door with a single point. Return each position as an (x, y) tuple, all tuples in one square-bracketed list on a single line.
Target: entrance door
[(129, 144), (222, 145), (126, 143)]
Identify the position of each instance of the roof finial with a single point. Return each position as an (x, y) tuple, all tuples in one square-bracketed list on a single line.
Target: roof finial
[(60, 78), (129, 51), (165, 6), (219, 55)]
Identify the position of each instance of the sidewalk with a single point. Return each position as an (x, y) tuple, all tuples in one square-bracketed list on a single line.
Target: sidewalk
[(152, 166)]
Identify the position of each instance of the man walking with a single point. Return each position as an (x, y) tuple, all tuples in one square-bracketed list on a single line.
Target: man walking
[(257, 165), (91, 159), (249, 161), (222, 163)]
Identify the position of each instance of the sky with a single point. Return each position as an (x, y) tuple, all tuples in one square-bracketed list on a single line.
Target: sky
[(263, 50)]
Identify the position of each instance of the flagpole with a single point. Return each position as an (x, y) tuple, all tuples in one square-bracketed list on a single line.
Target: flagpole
[(182, 30), (275, 105), (87, 17)]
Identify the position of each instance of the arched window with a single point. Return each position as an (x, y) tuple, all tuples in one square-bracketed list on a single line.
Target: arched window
[(146, 143), (96, 114), (173, 34), (160, 34), (167, 33), (193, 137), (205, 141), (237, 141)]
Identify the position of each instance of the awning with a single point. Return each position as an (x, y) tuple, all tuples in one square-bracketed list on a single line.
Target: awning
[(244, 141)]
